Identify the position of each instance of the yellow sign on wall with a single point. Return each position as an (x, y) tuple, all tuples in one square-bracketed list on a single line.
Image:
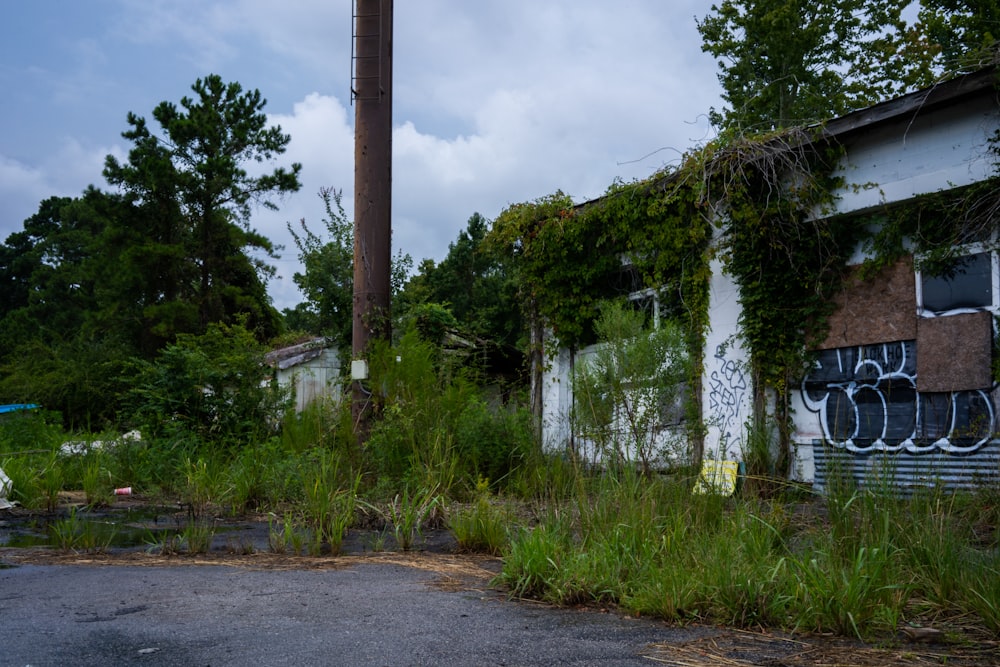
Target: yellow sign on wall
[(718, 477)]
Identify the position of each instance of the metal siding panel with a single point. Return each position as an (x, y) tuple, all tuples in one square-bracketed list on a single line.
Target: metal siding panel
[(910, 471)]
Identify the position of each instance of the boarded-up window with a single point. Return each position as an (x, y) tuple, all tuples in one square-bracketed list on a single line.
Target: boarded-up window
[(954, 353), (878, 310)]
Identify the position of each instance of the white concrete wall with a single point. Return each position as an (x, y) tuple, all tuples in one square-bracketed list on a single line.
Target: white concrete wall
[(557, 427), (919, 155), (557, 400)]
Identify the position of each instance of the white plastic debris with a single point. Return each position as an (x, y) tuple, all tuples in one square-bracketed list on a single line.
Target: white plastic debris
[(81, 447), (6, 486)]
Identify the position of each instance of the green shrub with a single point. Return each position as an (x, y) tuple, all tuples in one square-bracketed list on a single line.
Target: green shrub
[(625, 396), (213, 388), (493, 441), (29, 430), (84, 378), (435, 428)]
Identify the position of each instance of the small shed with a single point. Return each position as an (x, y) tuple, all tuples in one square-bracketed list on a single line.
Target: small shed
[(311, 369)]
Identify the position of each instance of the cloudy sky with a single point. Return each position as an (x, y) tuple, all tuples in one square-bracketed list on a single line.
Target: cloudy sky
[(495, 101)]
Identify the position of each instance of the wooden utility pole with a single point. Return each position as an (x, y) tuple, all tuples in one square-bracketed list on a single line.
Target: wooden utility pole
[(371, 92)]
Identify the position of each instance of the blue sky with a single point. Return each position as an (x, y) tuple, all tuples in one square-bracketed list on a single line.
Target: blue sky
[(495, 101)]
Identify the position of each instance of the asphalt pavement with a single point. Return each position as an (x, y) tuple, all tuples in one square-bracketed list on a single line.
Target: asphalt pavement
[(368, 612)]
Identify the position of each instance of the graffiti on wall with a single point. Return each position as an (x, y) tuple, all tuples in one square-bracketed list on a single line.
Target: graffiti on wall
[(727, 393), (867, 400)]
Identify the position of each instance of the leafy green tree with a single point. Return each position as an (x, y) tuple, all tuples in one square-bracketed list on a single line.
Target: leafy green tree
[(963, 33), (189, 247), (58, 346), (91, 282), (328, 279), (793, 62), (474, 285), (47, 270)]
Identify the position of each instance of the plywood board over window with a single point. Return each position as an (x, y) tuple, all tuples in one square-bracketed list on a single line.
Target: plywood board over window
[(954, 353), (881, 309)]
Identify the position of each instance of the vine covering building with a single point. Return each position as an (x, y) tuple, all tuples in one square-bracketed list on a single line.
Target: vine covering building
[(900, 380)]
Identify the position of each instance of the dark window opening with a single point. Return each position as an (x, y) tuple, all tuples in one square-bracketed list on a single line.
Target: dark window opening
[(965, 283)]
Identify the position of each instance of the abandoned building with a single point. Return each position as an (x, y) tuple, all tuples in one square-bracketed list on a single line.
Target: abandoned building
[(903, 384)]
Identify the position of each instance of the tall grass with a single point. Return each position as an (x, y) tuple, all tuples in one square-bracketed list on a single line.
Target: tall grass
[(72, 533), (484, 527), (330, 497), (409, 510), (863, 562)]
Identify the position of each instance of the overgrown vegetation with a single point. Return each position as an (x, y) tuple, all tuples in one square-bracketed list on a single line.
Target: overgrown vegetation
[(861, 562), (864, 563), (457, 443), (629, 395), (218, 439)]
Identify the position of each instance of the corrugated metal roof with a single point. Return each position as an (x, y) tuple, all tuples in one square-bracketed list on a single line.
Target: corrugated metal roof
[(294, 355)]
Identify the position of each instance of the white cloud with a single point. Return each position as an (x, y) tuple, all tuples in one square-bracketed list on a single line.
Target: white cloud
[(63, 174), (322, 140), (17, 178), (199, 32), (495, 101)]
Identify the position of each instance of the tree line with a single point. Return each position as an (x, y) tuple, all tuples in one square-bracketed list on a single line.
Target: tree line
[(94, 286)]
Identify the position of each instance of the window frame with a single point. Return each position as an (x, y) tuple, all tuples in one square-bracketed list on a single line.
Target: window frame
[(966, 251)]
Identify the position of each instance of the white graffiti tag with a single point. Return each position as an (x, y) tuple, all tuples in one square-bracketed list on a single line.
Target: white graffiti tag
[(867, 400)]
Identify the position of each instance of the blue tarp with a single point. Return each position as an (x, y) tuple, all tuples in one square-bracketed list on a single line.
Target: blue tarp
[(14, 407)]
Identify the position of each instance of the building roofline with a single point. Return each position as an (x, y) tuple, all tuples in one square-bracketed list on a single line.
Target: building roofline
[(912, 104), (909, 105)]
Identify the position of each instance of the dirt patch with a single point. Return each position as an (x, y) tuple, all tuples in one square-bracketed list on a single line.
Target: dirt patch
[(739, 648)]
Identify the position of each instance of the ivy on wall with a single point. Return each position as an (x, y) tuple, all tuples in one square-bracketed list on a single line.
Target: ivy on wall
[(571, 258), (761, 193), (936, 228), (784, 253), (769, 199), (644, 234)]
